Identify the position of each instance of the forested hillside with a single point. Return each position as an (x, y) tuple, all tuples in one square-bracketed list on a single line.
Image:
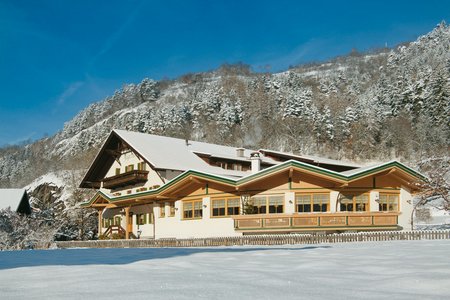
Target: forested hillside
[(387, 104), (374, 106)]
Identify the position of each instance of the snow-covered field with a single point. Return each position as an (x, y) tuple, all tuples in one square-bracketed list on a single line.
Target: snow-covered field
[(370, 270)]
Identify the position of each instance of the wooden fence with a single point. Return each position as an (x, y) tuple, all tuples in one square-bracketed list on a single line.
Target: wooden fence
[(273, 239)]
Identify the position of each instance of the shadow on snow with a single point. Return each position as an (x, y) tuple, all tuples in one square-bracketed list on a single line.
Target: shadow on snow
[(112, 256)]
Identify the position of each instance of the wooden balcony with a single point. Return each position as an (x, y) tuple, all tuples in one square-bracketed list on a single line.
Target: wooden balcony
[(339, 221), (124, 179)]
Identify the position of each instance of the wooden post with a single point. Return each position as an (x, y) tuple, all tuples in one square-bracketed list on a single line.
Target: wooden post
[(100, 219), (127, 219)]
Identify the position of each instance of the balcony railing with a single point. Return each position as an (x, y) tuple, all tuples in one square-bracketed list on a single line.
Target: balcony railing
[(124, 179), (316, 221)]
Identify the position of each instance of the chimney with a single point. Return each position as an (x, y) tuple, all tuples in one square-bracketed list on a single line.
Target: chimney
[(240, 152), (256, 162)]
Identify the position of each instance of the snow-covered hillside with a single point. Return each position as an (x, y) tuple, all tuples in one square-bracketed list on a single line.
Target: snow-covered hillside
[(371, 270), (390, 104)]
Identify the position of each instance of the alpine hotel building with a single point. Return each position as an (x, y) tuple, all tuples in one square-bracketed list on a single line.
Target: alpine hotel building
[(151, 186)]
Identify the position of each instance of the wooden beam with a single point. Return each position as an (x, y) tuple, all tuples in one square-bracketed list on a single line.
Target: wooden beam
[(100, 219), (196, 180), (127, 223)]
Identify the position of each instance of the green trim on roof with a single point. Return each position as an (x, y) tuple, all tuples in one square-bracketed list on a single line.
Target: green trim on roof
[(270, 170), (387, 166)]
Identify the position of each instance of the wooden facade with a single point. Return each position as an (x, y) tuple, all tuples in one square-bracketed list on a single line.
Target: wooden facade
[(287, 197)]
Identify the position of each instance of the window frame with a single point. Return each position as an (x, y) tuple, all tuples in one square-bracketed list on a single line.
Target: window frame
[(388, 195), (355, 202), (267, 205), (141, 166), (312, 203), (172, 209), (141, 219), (226, 200), (193, 209), (162, 210)]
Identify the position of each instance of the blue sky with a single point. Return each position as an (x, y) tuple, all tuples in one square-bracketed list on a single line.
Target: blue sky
[(56, 57)]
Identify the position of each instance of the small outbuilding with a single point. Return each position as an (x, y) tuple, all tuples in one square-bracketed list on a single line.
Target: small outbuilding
[(16, 199)]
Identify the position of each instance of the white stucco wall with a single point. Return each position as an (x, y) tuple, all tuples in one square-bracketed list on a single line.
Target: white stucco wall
[(289, 202), (129, 158), (406, 208), (333, 200), (176, 227), (146, 229), (374, 196)]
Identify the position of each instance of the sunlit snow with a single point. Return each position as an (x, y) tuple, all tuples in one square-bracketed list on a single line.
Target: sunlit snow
[(370, 270)]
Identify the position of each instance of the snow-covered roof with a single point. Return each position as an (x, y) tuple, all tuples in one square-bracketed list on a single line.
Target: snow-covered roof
[(380, 165), (312, 159), (328, 161), (175, 154), (167, 153), (362, 169), (11, 198)]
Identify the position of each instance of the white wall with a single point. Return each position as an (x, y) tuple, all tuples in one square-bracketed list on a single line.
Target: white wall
[(374, 196), (333, 200), (406, 208), (175, 227), (147, 229), (289, 202), (129, 158)]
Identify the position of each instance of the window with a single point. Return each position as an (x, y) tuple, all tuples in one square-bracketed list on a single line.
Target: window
[(218, 207), (129, 168), (192, 209), (222, 164), (233, 206), (117, 171), (141, 219), (162, 210), (312, 202), (225, 207), (272, 204), (237, 167), (150, 218), (354, 202), (111, 221), (108, 222), (275, 204), (260, 204), (141, 166), (388, 202), (172, 209)]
